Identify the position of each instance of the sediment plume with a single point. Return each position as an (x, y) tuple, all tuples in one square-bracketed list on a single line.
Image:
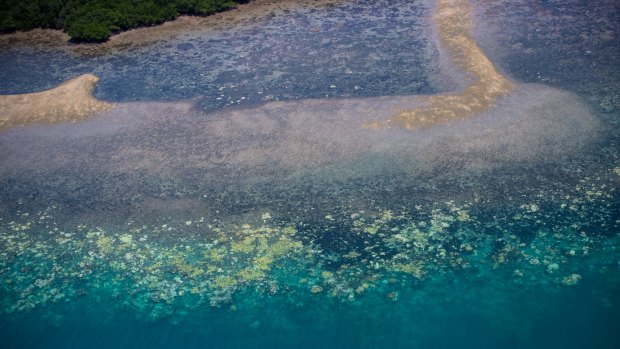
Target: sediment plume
[(69, 101), (454, 23)]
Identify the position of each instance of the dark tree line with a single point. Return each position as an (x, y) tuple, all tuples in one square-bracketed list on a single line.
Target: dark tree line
[(97, 20)]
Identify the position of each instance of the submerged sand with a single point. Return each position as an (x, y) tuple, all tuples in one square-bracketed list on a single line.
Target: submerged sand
[(166, 158)]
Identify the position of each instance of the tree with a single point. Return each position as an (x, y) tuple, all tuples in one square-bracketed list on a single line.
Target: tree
[(97, 20)]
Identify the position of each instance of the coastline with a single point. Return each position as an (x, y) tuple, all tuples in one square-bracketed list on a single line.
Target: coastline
[(53, 39)]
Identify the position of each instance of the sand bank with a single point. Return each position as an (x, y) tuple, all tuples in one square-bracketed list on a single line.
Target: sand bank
[(70, 101), (454, 24)]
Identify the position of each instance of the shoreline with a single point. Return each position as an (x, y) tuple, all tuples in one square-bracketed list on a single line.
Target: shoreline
[(243, 14)]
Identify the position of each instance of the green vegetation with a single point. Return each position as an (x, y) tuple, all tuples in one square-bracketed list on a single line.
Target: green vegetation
[(97, 20)]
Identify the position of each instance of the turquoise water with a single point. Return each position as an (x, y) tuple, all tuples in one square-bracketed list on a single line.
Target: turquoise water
[(162, 225)]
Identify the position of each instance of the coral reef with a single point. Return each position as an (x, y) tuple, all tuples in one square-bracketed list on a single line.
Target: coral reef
[(174, 267)]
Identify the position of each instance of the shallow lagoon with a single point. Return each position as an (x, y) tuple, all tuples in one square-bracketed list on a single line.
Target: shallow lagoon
[(168, 225)]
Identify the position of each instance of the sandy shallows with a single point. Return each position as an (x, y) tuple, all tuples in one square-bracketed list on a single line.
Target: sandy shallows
[(70, 101)]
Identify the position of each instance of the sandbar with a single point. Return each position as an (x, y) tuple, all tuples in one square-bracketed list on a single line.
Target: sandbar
[(69, 101), (454, 22)]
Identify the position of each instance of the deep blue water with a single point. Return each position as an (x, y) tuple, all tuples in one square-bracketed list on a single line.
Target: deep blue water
[(357, 252)]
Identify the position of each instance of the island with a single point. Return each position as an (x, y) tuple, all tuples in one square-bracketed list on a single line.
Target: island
[(97, 20)]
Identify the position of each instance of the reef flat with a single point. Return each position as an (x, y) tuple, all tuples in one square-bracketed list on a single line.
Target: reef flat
[(70, 101), (250, 60)]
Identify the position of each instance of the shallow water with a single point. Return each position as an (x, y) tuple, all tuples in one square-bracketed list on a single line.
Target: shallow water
[(195, 223), (307, 53)]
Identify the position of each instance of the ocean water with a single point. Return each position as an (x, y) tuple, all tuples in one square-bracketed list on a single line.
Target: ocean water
[(196, 215)]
